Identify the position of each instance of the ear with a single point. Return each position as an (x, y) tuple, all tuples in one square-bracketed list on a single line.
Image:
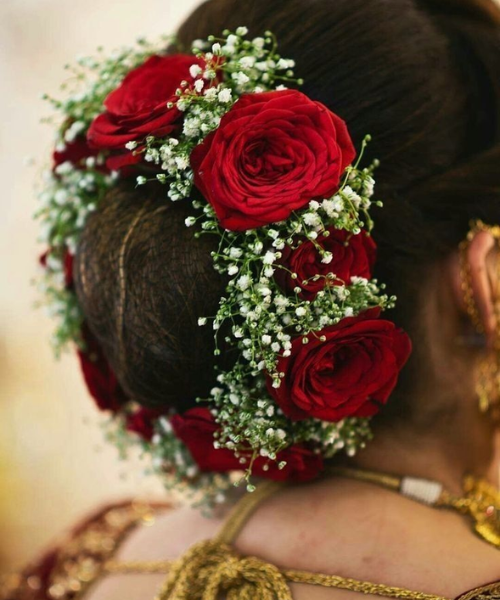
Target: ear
[(483, 280)]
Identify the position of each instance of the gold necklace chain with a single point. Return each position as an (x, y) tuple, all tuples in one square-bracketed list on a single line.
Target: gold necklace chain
[(480, 501)]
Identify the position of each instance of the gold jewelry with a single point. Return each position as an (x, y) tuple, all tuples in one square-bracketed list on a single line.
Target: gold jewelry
[(212, 567), (480, 501), (488, 378)]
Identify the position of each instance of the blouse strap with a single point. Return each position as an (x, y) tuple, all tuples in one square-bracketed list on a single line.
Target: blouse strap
[(242, 511)]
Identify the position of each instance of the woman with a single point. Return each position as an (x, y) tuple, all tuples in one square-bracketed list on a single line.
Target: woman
[(422, 78)]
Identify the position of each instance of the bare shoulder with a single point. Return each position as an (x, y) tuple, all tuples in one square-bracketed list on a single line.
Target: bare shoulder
[(173, 532), (351, 531)]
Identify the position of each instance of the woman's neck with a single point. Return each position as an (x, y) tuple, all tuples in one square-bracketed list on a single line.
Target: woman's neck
[(469, 444)]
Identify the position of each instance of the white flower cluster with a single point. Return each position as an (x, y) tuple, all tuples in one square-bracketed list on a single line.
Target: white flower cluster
[(170, 460), (256, 314), (68, 193), (263, 319)]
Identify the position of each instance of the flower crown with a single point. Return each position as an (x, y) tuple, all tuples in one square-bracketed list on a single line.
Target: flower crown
[(274, 177)]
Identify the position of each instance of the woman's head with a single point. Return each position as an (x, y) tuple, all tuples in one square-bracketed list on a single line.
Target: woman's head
[(421, 78)]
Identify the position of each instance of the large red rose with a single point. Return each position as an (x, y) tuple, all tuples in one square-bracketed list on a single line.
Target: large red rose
[(351, 374), (140, 106), (196, 428), (352, 255), (99, 376), (272, 153)]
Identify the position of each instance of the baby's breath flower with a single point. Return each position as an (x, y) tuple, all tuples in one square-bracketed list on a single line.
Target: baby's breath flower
[(269, 258), (247, 62), (195, 70), (224, 95), (210, 93), (244, 282), (240, 78)]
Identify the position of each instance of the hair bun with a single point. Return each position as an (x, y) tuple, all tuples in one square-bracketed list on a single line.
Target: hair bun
[(137, 258)]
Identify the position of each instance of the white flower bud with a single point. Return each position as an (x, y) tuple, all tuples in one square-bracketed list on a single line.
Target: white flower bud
[(240, 78), (210, 93), (247, 62), (258, 247), (235, 252), (269, 258), (224, 95), (195, 70)]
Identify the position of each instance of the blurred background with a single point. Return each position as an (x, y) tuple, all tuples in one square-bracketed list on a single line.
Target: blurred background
[(54, 465)]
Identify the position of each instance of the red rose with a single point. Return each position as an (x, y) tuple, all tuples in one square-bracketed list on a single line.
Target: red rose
[(196, 428), (139, 106), (272, 153), (75, 152), (353, 255), (68, 267), (142, 422), (99, 377), (351, 374)]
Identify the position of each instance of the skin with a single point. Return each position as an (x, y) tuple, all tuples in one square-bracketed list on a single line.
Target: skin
[(354, 529)]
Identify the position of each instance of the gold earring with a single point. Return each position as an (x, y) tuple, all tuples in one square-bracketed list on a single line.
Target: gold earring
[(488, 375)]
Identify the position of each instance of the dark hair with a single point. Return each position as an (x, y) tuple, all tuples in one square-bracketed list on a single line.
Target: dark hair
[(421, 76)]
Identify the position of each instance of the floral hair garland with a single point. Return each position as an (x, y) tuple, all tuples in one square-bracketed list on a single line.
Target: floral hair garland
[(282, 192)]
